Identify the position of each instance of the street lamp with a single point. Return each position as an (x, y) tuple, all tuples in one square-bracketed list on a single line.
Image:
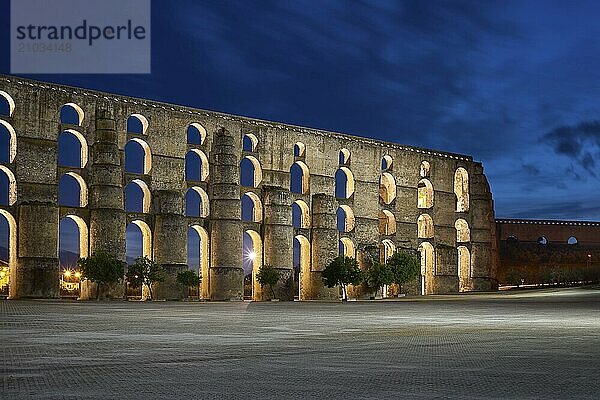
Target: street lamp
[(589, 261)]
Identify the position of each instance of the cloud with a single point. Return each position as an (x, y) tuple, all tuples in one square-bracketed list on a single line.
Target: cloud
[(581, 210), (478, 78), (531, 169), (578, 142), (400, 71)]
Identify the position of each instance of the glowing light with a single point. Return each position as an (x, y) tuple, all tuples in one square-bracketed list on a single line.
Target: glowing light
[(77, 274), (67, 273), (251, 256)]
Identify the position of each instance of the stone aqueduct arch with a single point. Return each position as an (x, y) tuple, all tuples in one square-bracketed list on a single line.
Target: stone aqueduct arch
[(389, 189)]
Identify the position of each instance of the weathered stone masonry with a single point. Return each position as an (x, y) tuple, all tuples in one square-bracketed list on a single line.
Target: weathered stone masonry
[(394, 197)]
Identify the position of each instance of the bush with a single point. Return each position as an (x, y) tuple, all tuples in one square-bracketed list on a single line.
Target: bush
[(188, 278), (268, 276), (342, 271), (102, 268), (145, 271), (404, 267), (377, 275)]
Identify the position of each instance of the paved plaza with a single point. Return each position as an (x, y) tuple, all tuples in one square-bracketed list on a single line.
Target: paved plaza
[(528, 344)]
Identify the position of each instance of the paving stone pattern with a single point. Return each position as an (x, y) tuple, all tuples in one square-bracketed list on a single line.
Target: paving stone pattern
[(524, 345)]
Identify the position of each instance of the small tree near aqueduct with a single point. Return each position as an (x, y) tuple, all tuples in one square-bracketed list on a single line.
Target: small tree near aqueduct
[(188, 279), (102, 268), (145, 271), (376, 276), (342, 271), (268, 276), (405, 267)]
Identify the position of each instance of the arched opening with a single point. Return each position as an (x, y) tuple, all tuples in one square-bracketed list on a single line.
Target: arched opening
[(196, 134), (198, 257), (8, 253), (346, 247), (137, 197), (252, 261), (387, 223), (463, 234), (572, 240), (344, 183), (425, 194), (299, 149), (249, 142), (424, 169), (461, 189), (8, 187), (137, 124), (300, 215), (251, 207), (512, 239), (7, 104), (299, 178), (386, 249), (8, 142), (427, 266), (134, 242), (543, 240), (301, 262), (196, 202), (387, 188), (464, 269), (138, 243), (71, 114), (145, 250), (345, 219), (72, 149), (250, 172), (196, 166), (344, 157), (138, 157), (425, 227), (386, 163), (72, 245), (72, 191)]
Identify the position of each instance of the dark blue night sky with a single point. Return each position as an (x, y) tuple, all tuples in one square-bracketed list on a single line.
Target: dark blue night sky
[(516, 84)]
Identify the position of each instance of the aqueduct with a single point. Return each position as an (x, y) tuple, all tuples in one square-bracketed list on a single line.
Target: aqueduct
[(235, 192)]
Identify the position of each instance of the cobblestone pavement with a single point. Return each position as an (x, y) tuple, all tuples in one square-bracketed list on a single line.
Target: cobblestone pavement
[(524, 345)]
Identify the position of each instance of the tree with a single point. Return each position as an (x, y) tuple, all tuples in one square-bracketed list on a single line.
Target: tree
[(189, 279), (342, 271), (268, 276), (404, 266), (102, 268), (145, 271), (378, 275)]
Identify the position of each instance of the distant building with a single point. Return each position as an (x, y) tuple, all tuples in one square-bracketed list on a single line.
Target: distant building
[(546, 251)]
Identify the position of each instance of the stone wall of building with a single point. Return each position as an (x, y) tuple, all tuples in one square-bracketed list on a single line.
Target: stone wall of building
[(541, 251), (434, 187)]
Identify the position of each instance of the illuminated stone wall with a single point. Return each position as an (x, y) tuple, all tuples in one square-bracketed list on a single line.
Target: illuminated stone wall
[(36, 123)]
